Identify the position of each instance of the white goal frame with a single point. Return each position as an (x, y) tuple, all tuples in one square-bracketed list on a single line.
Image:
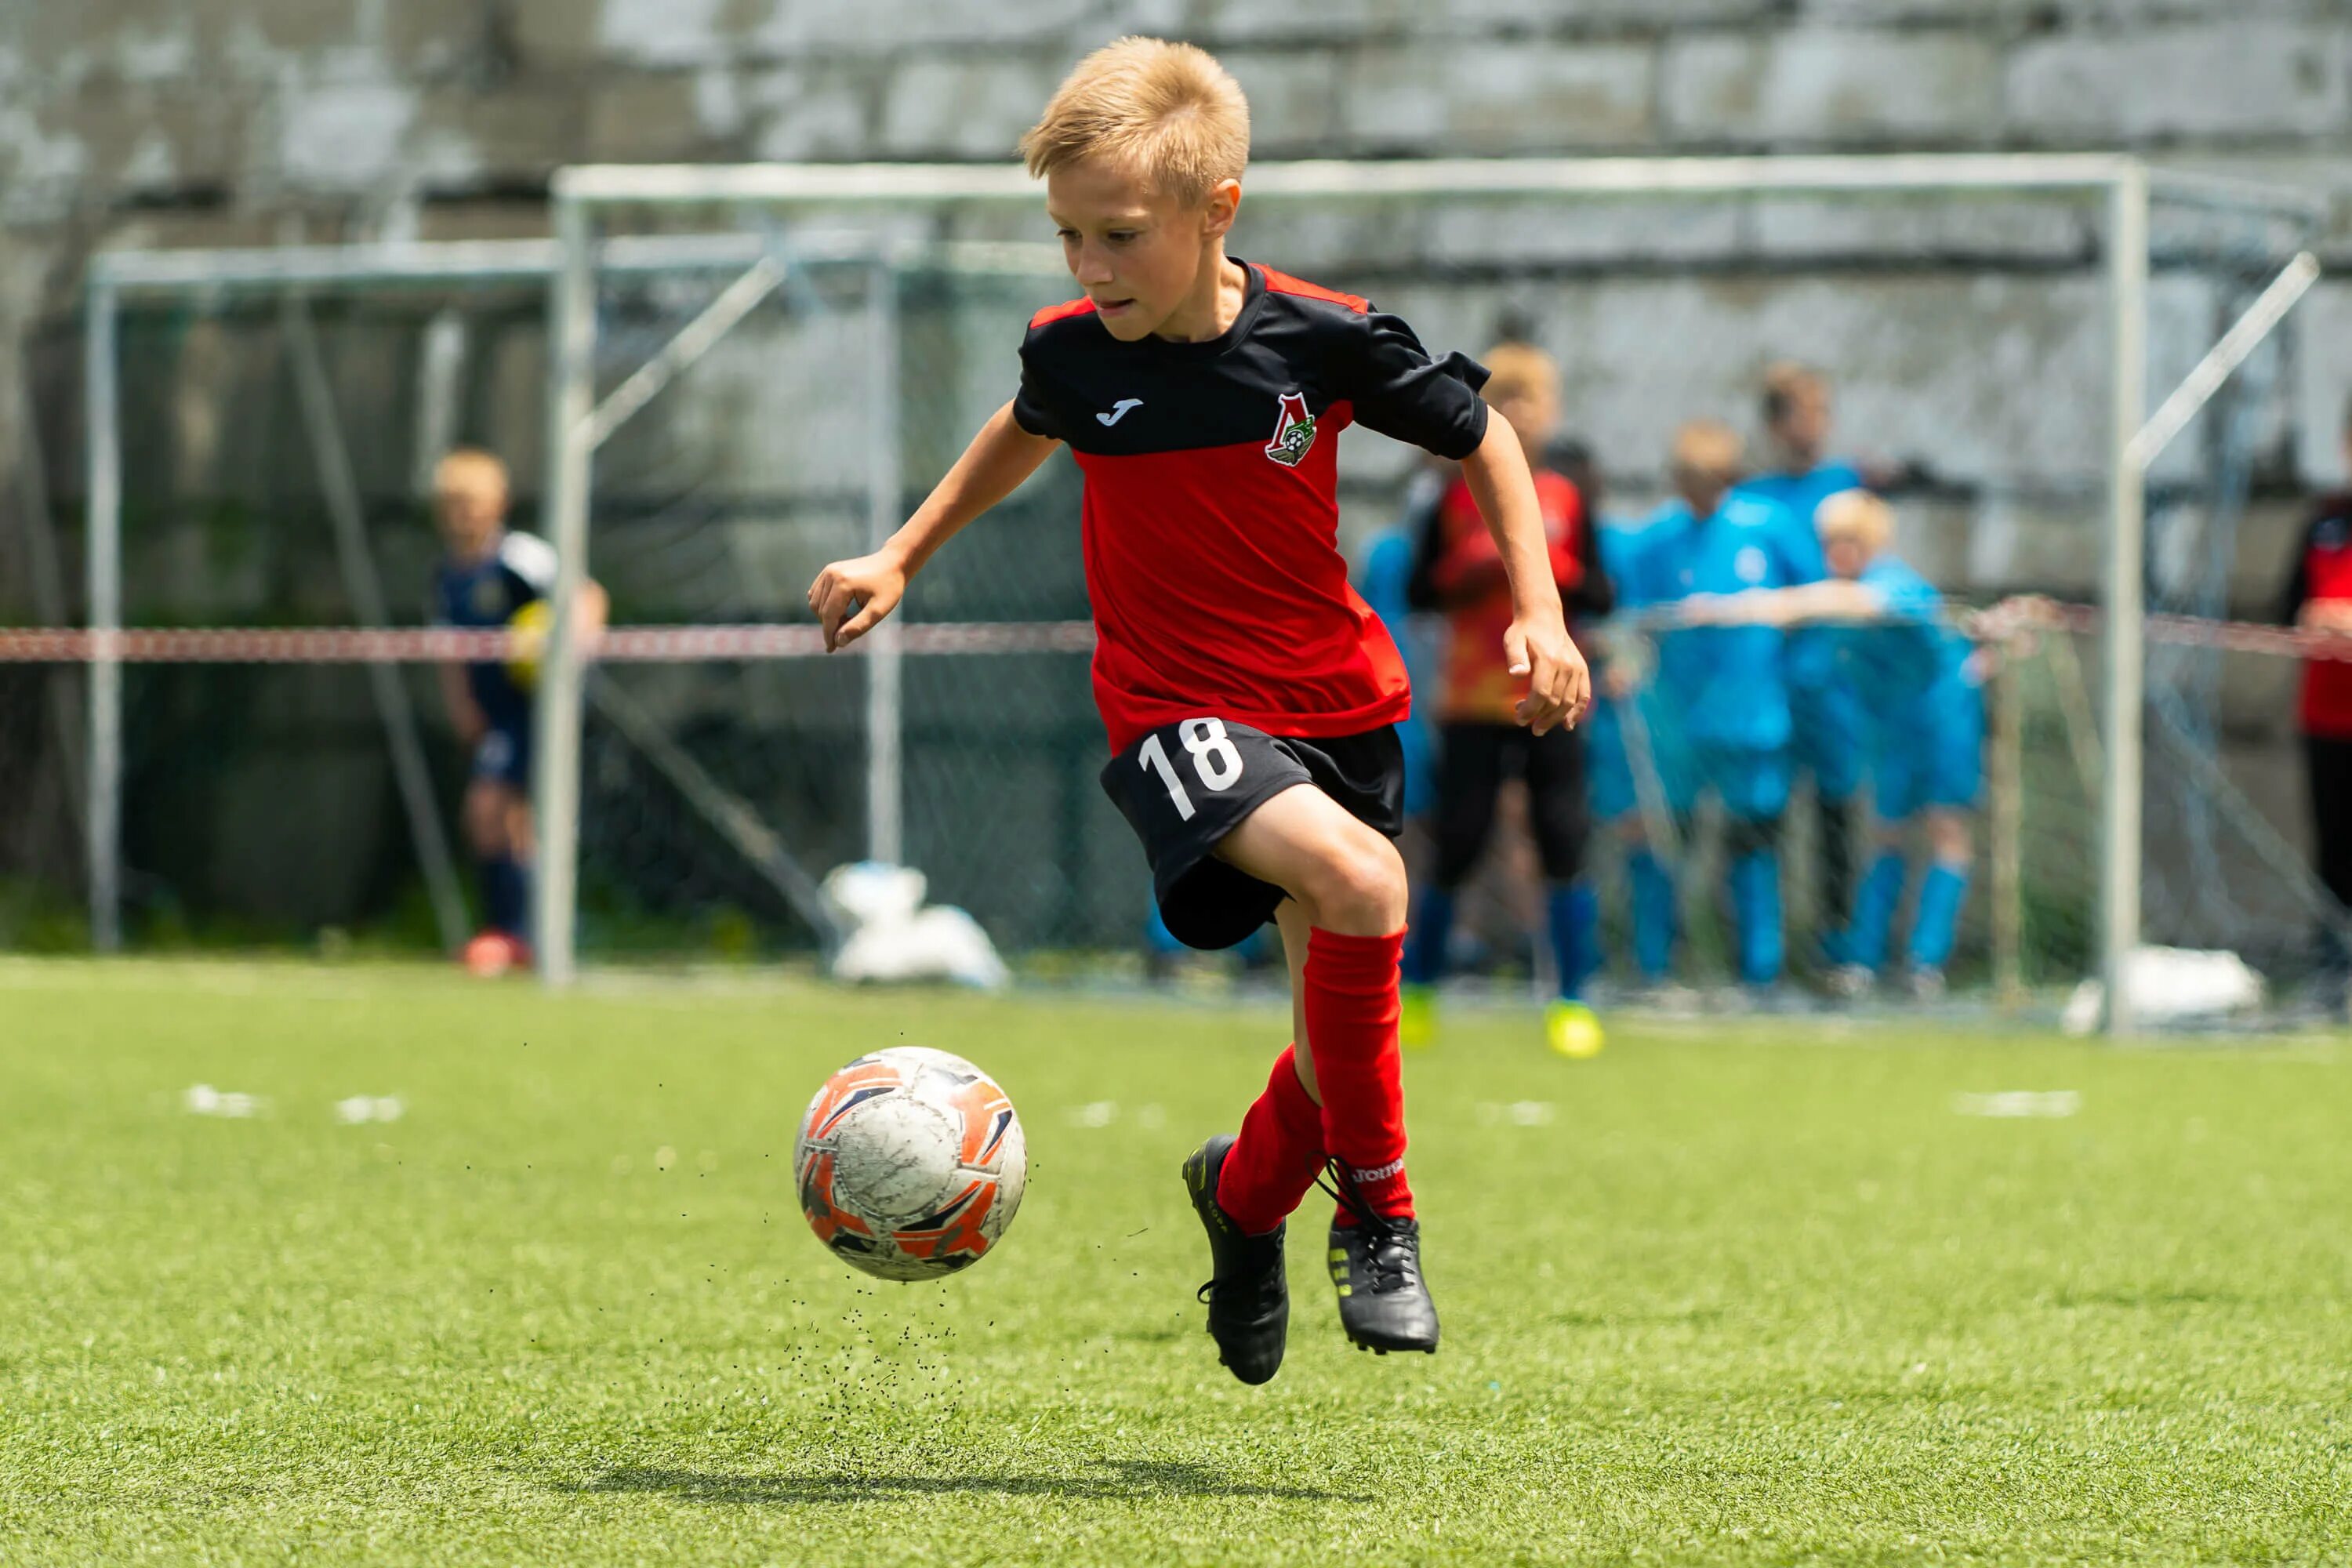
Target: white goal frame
[(2125, 185), (298, 276)]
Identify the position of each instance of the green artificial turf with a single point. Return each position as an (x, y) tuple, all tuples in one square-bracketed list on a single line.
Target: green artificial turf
[(1744, 1294)]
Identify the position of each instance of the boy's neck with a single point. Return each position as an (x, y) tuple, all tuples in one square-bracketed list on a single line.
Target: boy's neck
[(1215, 302)]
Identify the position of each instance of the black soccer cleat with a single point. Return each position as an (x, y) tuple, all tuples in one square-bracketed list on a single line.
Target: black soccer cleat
[(1249, 1299), (1376, 1267)]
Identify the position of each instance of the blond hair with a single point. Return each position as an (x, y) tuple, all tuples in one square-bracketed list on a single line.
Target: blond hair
[(1167, 113), (1520, 370), (1857, 515), (465, 466), (1708, 450)]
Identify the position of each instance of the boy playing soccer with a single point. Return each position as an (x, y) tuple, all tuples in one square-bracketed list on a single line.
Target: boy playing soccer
[(486, 577), (1250, 696), (1460, 572)]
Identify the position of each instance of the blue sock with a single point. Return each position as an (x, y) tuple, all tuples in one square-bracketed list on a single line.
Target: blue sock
[(1939, 921), (1874, 911), (1572, 913), (1654, 913), (1425, 945), (506, 896), (1756, 902)]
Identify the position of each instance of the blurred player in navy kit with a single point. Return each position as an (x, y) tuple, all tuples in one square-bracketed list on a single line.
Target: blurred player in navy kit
[(490, 576)]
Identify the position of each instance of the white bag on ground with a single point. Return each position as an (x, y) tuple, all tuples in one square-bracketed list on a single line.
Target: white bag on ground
[(890, 936), (2172, 985)]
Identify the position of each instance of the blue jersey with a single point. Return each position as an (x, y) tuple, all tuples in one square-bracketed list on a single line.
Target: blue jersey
[(1388, 568), (1912, 668), (1727, 680), (1800, 495), (487, 593), (1619, 545), (1812, 659)]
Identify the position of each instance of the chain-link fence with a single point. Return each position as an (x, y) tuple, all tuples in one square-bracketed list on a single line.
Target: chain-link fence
[(277, 442)]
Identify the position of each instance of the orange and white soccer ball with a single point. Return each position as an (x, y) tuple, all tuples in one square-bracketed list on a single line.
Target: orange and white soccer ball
[(910, 1163)]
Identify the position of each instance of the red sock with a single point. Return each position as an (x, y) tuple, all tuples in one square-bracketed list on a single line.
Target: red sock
[(1275, 1160), (1351, 1026)]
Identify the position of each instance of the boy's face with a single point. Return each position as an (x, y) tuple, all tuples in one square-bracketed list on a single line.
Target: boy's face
[(1803, 429), (1534, 413), (1702, 490), (469, 503), (1845, 554), (1139, 254)]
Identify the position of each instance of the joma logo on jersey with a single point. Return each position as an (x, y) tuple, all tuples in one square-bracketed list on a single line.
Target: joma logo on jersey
[(1294, 431)]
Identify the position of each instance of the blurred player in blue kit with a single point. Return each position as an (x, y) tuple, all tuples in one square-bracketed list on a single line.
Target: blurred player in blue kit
[(1634, 711), (1918, 691), (1825, 724), (1725, 681), (490, 576)]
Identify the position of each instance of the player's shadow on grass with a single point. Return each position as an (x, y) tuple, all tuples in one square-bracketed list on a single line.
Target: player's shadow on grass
[(1117, 1480)]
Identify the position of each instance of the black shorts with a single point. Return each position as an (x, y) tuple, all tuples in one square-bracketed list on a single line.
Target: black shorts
[(1187, 785), (1474, 759)]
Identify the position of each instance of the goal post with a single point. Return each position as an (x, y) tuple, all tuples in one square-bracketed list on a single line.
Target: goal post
[(2121, 192), (288, 280)]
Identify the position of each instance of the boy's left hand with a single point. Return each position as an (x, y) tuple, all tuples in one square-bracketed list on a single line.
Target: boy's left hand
[(1560, 687)]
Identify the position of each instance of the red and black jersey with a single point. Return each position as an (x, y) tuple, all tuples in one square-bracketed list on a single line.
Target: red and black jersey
[(1458, 569), (1211, 518), (2322, 570)]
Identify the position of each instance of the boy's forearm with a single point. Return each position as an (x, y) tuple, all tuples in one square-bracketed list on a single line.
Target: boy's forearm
[(1506, 492), (464, 716), (1830, 599), (993, 467)]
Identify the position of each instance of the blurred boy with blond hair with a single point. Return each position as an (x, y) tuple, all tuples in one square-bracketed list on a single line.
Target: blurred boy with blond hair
[(493, 577)]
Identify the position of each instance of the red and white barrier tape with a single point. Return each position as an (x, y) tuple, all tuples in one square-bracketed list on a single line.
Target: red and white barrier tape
[(2031, 613), (432, 645), (678, 645)]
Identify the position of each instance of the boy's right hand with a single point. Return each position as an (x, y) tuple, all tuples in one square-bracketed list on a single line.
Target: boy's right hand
[(871, 587)]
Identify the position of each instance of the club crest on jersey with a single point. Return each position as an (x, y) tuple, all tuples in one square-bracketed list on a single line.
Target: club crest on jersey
[(1294, 431)]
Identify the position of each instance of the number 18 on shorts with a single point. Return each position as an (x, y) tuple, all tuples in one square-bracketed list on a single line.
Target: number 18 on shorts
[(1184, 786)]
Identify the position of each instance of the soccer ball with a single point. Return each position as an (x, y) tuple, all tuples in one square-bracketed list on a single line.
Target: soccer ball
[(910, 1163)]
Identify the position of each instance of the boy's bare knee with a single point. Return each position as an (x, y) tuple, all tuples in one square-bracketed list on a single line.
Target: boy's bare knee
[(1358, 888)]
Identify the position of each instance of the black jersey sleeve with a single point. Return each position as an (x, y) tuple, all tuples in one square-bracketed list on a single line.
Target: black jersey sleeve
[(1031, 405), (1401, 391)]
